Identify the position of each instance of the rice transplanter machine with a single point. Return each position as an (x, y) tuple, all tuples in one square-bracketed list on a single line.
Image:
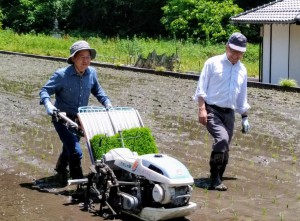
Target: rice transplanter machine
[(150, 187)]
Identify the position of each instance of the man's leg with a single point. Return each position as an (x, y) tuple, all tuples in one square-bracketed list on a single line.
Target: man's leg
[(229, 126), (220, 126), (61, 169), (75, 168), (224, 164), (71, 149), (216, 161)]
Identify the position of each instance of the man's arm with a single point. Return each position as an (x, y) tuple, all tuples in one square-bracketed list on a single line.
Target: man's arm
[(202, 115)]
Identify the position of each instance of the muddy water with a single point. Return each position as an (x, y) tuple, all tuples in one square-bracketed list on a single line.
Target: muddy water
[(263, 173)]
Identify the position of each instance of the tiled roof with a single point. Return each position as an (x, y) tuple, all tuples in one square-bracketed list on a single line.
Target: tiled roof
[(279, 11)]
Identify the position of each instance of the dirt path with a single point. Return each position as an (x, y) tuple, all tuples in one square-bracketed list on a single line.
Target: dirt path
[(263, 173)]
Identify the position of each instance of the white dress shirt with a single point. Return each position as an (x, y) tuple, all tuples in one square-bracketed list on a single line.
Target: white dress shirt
[(223, 84)]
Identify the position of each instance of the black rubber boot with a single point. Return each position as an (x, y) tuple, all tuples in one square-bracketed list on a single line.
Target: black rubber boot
[(62, 175), (76, 170), (216, 162), (76, 173), (62, 178), (224, 164)]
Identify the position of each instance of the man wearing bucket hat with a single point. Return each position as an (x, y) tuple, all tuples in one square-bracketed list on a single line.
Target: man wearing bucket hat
[(72, 87), (222, 91)]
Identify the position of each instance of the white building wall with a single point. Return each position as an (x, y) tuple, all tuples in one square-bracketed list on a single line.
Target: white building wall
[(279, 53), (295, 53), (266, 54)]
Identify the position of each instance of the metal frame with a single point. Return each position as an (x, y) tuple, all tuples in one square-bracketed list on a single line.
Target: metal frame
[(97, 120)]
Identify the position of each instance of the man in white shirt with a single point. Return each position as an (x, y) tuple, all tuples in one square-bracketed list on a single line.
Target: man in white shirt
[(222, 90)]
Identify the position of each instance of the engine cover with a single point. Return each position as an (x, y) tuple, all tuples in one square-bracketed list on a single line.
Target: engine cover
[(158, 168)]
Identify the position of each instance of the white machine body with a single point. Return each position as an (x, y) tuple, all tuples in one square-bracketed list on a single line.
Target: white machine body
[(170, 179)]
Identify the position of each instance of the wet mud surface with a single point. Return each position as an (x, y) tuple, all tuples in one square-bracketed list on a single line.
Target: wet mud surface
[(263, 174)]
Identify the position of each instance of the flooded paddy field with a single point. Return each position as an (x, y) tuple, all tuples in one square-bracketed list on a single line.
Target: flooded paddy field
[(263, 175)]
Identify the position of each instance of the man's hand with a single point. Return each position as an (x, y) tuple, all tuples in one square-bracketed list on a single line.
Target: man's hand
[(245, 125), (108, 106), (202, 116), (50, 108)]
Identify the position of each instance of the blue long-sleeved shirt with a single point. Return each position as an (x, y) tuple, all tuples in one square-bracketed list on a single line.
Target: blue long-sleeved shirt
[(72, 90), (223, 84)]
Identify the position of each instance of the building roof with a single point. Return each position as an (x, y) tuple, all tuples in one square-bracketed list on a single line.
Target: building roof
[(279, 12)]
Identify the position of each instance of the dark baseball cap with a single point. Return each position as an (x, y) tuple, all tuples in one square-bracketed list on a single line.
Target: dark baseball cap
[(237, 41)]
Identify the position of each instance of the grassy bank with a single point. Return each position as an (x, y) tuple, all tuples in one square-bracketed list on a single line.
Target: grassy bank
[(125, 51)]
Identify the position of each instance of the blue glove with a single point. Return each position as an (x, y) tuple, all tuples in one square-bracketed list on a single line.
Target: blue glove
[(50, 108), (245, 125), (108, 106)]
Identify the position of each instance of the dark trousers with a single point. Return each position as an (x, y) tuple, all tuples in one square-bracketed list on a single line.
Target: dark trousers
[(220, 124), (71, 151)]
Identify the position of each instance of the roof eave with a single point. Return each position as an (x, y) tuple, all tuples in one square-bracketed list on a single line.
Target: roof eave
[(262, 22)]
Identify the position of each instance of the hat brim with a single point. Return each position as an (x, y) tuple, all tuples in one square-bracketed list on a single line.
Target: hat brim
[(237, 48), (92, 51)]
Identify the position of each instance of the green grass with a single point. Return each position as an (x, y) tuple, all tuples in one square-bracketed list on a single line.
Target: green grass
[(125, 51)]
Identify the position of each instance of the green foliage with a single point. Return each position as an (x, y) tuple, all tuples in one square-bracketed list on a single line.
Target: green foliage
[(192, 55), (207, 20), (160, 68), (139, 140), (288, 83), (202, 19), (1, 18), (117, 17), (34, 16)]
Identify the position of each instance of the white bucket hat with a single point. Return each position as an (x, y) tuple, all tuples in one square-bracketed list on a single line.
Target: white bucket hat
[(79, 46)]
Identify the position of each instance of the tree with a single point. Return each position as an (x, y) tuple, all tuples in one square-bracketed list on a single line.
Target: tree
[(25, 16), (117, 17), (1, 18), (200, 19)]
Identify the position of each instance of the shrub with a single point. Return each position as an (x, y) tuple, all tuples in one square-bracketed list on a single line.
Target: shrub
[(206, 20), (139, 140), (160, 68), (288, 83)]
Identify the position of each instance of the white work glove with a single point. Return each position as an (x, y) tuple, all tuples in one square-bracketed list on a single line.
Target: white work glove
[(245, 125), (50, 108), (108, 106)]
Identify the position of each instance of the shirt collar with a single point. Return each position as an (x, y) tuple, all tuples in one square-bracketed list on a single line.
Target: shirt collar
[(72, 71), (225, 58)]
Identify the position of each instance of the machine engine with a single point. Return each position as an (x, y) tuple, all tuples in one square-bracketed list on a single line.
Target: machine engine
[(140, 185)]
